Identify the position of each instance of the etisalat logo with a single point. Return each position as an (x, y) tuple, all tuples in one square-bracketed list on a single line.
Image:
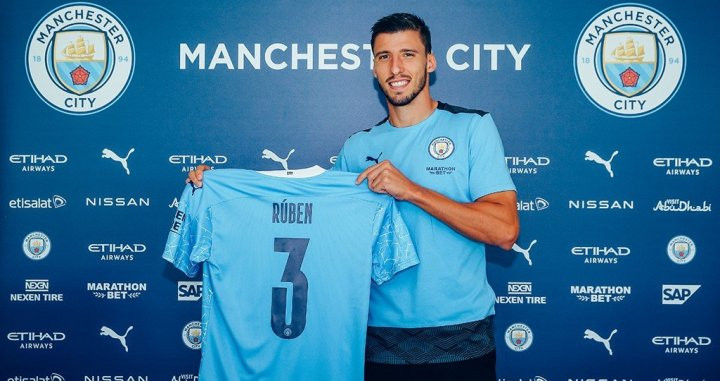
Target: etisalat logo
[(600, 254), (533, 206), (117, 291), (520, 293), (53, 202), (600, 294), (524, 165), (678, 205), (51, 377), (189, 162), (36, 290), (682, 166)]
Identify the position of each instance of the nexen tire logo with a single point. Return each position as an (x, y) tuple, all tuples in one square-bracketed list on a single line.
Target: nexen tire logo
[(678, 294)]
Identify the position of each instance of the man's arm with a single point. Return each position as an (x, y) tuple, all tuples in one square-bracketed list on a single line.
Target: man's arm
[(492, 219)]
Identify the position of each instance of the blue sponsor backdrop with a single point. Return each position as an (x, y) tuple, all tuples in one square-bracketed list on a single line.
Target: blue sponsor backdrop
[(220, 82)]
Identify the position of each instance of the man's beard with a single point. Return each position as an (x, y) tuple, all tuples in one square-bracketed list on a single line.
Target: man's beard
[(409, 98)]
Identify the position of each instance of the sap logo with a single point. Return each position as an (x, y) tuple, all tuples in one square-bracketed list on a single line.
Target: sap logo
[(189, 291), (678, 293)]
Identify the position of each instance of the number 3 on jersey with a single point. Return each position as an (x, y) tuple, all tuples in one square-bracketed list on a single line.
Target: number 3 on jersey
[(284, 329)]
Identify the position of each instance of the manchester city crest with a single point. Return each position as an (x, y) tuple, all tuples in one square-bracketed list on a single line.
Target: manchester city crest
[(518, 337), (192, 335), (36, 245), (629, 60), (441, 148), (80, 58), (681, 249)]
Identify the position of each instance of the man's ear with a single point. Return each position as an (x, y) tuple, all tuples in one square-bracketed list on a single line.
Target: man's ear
[(431, 63)]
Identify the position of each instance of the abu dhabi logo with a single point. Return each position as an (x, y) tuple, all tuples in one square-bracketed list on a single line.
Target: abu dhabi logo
[(592, 156), (525, 252), (590, 334), (267, 154), (105, 331), (108, 154)]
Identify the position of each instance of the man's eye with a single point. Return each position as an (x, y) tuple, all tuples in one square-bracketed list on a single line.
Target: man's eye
[(409, 54), (382, 57)]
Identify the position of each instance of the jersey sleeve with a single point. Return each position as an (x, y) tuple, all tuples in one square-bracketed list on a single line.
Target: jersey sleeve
[(341, 163), (393, 251), (190, 237), (488, 170)]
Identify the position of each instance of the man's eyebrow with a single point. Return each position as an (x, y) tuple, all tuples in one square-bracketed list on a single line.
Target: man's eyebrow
[(401, 51), (380, 52)]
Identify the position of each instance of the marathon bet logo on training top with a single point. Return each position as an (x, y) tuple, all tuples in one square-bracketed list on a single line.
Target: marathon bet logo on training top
[(79, 58), (629, 60)]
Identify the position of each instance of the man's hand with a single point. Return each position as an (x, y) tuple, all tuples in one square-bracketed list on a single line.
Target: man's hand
[(197, 175), (385, 178)]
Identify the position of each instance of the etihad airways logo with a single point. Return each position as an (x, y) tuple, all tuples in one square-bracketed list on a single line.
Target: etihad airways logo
[(682, 166), (523, 165), (333, 56), (36, 340), (600, 254), (117, 251), (38, 162), (188, 163), (682, 344)]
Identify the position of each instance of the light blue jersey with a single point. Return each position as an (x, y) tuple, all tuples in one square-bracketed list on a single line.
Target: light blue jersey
[(458, 153), (287, 267)]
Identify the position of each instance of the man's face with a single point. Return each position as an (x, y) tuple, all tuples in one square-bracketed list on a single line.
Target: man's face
[(401, 65)]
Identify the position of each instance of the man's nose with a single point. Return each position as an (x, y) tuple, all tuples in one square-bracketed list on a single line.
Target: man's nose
[(396, 65)]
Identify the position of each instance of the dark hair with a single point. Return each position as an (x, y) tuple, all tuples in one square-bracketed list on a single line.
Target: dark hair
[(398, 22)]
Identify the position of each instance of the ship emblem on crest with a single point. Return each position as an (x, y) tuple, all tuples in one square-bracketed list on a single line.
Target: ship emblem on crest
[(80, 60), (629, 61)]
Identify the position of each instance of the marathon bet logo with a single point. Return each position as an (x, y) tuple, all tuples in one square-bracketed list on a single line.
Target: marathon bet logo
[(117, 251), (678, 294), (523, 165), (681, 344), (36, 340), (189, 291), (533, 206), (189, 163), (79, 58), (600, 294), (117, 201), (38, 162), (601, 204), (682, 166), (520, 293), (600, 254), (678, 205), (117, 291), (36, 290), (53, 202)]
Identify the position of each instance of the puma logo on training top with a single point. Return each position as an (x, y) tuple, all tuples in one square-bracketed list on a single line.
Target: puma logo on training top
[(267, 154), (105, 331), (590, 155), (108, 154), (589, 334), (376, 160), (525, 252)]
